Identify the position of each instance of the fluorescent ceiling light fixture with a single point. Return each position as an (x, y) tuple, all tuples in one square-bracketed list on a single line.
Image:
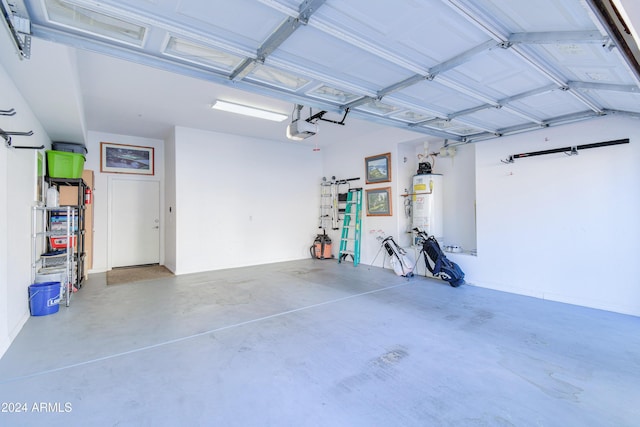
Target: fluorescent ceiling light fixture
[(248, 111)]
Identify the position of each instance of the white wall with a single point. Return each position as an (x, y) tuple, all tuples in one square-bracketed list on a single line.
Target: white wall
[(559, 227), (460, 196), (459, 182), (170, 255), (17, 196), (346, 160), (242, 201), (102, 185)]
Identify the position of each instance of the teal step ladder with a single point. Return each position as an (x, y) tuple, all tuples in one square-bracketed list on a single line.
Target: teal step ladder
[(351, 227)]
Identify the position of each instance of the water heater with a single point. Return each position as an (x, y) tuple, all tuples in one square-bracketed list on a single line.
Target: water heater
[(428, 204)]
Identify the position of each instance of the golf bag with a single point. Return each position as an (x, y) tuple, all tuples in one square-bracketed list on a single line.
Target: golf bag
[(437, 262), (401, 261)]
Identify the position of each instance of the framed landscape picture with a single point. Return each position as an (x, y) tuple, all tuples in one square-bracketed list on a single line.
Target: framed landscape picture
[(378, 168), (379, 202), (121, 158)]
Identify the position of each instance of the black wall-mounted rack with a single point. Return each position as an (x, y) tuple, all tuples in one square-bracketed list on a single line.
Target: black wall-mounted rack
[(6, 135), (573, 150)]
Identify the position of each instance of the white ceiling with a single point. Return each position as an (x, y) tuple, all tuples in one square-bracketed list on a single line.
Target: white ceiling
[(455, 69)]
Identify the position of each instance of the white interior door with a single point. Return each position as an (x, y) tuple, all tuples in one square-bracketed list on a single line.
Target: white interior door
[(135, 222)]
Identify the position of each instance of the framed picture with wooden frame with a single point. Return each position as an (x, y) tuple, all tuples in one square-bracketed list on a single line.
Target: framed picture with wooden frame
[(122, 158), (378, 168), (379, 202)]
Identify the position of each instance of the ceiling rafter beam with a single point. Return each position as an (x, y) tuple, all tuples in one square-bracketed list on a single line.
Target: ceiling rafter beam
[(528, 94), (566, 119), (585, 100), (475, 125), (125, 53), (429, 121), (421, 75), (463, 58), (491, 29), (562, 84), (401, 85), (132, 14), (503, 104), (460, 138), (288, 27), (507, 108), (478, 19), (279, 36), (433, 72), (367, 46), (605, 16), (632, 114), (167, 64), (558, 121), (403, 125), (541, 68), (470, 111), (603, 86), (512, 110), (452, 84), (386, 91), (358, 102), (427, 110), (498, 40), (241, 71), (434, 131), (524, 115), (553, 37), (320, 76), (437, 133), (440, 119)]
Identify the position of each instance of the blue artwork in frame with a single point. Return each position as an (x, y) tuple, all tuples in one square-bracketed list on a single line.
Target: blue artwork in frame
[(378, 168)]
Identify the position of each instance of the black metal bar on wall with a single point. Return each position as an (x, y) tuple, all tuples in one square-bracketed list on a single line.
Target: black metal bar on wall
[(571, 150)]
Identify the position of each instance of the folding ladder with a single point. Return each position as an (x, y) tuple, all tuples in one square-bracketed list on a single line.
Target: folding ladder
[(333, 202), (350, 246), (327, 204)]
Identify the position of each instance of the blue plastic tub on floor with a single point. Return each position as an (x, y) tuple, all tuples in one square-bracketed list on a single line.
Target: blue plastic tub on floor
[(44, 298)]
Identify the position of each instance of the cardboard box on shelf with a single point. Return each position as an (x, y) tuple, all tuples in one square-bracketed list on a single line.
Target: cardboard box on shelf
[(69, 196)]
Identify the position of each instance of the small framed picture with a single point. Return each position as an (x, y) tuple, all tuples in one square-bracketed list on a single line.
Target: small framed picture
[(379, 202), (378, 168), (121, 158)]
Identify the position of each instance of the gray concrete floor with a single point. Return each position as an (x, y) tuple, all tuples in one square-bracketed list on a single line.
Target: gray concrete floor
[(316, 343)]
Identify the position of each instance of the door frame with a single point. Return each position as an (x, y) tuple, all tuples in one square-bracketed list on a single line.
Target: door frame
[(110, 186)]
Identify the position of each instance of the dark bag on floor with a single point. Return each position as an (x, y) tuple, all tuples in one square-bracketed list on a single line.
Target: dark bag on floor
[(438, 263)]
